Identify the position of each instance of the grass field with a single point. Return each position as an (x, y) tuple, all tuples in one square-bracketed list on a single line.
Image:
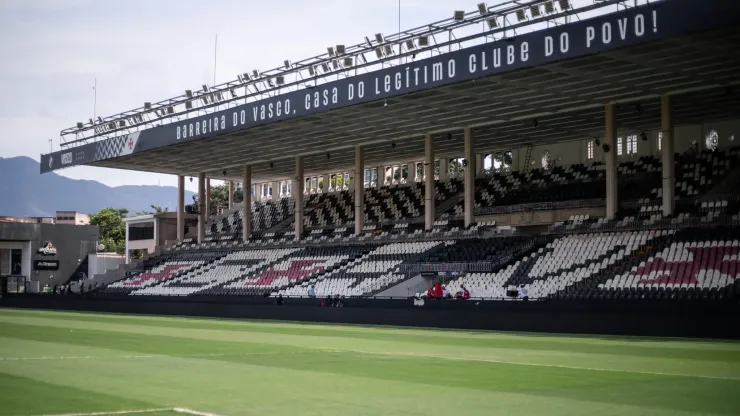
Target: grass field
[(55, 363)]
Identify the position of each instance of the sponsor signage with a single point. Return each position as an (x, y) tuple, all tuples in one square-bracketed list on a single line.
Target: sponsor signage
[(46, 264), (47, 249), (627, 27)]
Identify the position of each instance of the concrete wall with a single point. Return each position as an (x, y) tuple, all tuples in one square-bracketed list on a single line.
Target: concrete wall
[(73, 243)]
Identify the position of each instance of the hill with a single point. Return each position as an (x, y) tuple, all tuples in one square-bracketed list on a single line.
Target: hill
[(26, 193)]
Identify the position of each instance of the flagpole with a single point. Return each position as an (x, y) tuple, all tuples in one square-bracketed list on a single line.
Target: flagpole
[(215, 52)]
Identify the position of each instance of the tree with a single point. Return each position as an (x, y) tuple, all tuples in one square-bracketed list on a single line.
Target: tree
[(112, 228), (156, 209)]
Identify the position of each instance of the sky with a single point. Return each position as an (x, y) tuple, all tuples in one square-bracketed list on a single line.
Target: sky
[(149, 50)]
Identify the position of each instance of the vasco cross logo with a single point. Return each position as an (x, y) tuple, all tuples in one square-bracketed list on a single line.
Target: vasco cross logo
[(47, 249), (51, 161)]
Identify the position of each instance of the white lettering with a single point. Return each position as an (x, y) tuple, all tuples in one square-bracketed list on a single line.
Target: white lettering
[(451, 68), (590, 35), (243, 117), (308, 101), (622, 28), (361, 89), (223, 122), (525, 51), (398, 81), (387, 83), (279, 111), (262, 112), (287, 106), (549, 49), (377, 90), (497, 57), (351, 92), (326, 97), (191, 131), (178, 133), (564, 42), (606, 32), (197, 129), (316, 101), (471, 64), (407, 77), (235, 119), (416, 76), (269, 110), (510, 54), (204, 126), (254, 110), (639, 25), (334, 95), (436, 72)]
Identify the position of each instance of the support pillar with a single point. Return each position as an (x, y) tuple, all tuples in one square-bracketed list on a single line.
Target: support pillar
[(208, 199), (180, 208), (470, 171), (247, 208), (201, 207), (298, 186), (231, 194), (667, 154), (610, 157), (327, 182), (359, 182), (127, 257), (444, 168), (478, 163), (428, 182)]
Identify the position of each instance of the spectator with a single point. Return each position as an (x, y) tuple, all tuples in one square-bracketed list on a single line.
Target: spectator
[(465, 292), (445, 292), (438, 291), (311, 292), (280, 299), (523, 293), (55, 290)]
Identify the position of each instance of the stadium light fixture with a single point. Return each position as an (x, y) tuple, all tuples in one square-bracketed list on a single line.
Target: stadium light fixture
[(369, 44), (521, 15), (112, 125), (330, 49), (388, 50), (280, 80), (325, 67), (170, 110), (287, 63), (188, 105), (492, 23), (379, 37), (312, 70), (189, 93), (91, 121), (410, 44), (423, 41), (205, 88), (348, 61), (269, 82), (564, 5), (549, 7), (482, 8), (246, 76), (339, 49), (147, 106), (256, 73), (218, 96), (335, 64), (534, 10), (379, 53), (240, 77), (459, 15), (79, 125), (232, 92), (122, 123), (100, 119)]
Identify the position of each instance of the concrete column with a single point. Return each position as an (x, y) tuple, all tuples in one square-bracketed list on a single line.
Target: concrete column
[(429, 182), (247, 208), (180, 208), (231, 194), (444, 168), (298, 186), (359, 182), (327, 182), (208, 199), (470, 173), (201, 207), (478, 163), (126, 254), (669, 164), (612, 203)]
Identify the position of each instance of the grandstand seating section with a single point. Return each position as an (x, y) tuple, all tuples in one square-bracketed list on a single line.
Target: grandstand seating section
[(638, 256)]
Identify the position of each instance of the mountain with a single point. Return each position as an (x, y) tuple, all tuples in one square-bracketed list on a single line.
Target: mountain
[(24, 192)]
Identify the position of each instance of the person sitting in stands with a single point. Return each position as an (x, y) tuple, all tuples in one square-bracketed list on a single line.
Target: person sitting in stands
[(280, 299), (445, 292), (311, 292), (523, 293), (465, 293), (438, 291), (337, 301), (430, 293)]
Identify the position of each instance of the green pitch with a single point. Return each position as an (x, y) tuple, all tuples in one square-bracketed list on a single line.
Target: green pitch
[(71, 363)]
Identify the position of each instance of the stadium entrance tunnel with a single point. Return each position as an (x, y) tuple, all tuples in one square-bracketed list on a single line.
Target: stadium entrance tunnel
[(659, 319)]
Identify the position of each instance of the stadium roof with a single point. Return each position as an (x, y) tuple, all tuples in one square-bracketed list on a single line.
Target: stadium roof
[(556, 94)]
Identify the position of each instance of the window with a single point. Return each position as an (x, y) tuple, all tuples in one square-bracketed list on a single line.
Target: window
[(375, 176), (590, 150), (488, 162), (346, 179), (420, 171), (619, 146), (660, 141), (404, 172), (367, 177), (508, 158), (632, 144), (497, 161)]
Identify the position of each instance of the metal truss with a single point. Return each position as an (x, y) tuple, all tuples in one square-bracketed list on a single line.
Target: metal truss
[(462, 30)]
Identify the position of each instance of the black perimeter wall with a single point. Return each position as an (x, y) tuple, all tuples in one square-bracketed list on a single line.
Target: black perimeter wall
[(704, 320)]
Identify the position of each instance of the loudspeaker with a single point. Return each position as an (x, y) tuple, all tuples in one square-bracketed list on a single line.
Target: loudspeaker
[(606, 148)]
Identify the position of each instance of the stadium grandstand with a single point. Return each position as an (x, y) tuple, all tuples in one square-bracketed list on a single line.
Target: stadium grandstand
[(562, 150)]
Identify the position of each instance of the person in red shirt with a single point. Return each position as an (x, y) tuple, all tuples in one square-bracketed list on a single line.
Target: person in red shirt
[(466, 293), (438, 291)]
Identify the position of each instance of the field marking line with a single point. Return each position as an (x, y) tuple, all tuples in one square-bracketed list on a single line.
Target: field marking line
[(192, 412), (487, 360), (116, 412)]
